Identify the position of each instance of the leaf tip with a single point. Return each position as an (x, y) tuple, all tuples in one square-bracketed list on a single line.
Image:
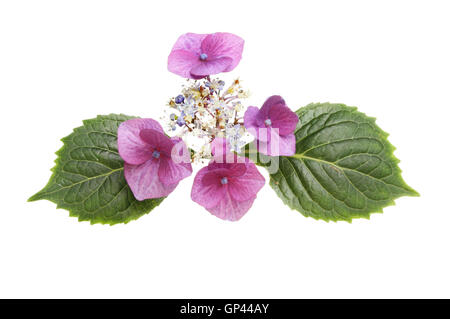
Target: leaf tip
[(35, 197), (413, 193)]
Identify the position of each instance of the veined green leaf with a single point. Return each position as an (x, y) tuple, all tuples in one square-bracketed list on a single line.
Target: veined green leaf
[(344, 166), (88, 178)]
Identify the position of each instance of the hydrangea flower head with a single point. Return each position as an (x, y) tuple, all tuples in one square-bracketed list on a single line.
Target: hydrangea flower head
[(207, 109), (273, 126), (195, 56), (227, 189), (154, 163)]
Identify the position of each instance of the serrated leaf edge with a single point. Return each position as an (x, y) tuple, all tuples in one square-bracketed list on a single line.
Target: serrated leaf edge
[(40, 195), (410, 191)]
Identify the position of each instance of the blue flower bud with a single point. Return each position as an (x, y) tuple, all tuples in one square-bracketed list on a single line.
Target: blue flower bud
[(203, 56), (181, 121), (224, 181), (179, 99)]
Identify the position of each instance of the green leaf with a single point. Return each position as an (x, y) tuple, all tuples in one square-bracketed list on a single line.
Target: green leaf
[(344, 166), (88, 177)]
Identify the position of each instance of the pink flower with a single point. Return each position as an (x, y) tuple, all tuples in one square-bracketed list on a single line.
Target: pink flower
[(195, 56), (273, 126), (154, 163), (227, 189)]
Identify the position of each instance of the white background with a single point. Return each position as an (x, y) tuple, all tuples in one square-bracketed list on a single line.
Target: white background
[(65, 61)]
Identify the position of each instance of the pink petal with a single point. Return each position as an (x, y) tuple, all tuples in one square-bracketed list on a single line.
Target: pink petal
[(224, 44), (230, 209), (283, 145), (208, 67), (283, 118), (287, 145), (250, 119), (228, 201), (132, 148), (180, 152), (262, 133), (144, 181), (258, 118), (254, 122), (171, 172), (283, 122), (206, 192), (227, 169), (246, 186), (268, 104), (212, 178), (181, 62), (189, 42), (158, 141), (237, 169), (273, 100)]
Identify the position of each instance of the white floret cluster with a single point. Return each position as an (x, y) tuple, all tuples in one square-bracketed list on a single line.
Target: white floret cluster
[(206, 109)]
